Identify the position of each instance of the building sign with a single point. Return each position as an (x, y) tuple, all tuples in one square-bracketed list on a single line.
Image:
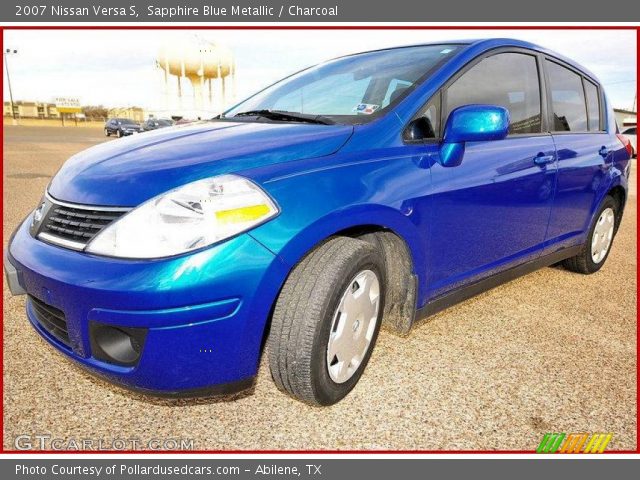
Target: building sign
[(68, 105)]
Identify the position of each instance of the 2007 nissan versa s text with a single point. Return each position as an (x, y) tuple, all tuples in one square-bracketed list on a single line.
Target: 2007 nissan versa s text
[(373, 189)]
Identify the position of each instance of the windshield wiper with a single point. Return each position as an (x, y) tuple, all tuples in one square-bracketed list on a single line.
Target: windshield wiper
[(285, 116)]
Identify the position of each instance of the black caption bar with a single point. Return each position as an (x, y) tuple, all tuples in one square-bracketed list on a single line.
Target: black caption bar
[(325, 469), (246, 11)]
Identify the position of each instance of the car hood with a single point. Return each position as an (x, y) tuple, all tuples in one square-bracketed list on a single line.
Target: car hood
[(128, 171)]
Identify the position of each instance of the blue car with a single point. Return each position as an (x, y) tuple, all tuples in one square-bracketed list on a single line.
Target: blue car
[(373, 189)]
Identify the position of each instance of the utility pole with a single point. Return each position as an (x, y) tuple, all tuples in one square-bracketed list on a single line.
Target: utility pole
[(6, 54)]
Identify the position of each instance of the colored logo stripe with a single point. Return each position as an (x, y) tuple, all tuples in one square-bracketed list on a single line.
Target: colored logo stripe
[(598, 443), (550, 443), (574, 443)]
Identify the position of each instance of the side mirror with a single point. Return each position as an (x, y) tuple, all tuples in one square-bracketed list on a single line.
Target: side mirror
[(471, 123)]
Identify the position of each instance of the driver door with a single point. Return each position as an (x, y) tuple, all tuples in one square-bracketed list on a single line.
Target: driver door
[(491, 211)]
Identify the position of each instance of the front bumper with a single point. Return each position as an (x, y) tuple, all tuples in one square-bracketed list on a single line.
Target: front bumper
[(12, 276), (204, 313)]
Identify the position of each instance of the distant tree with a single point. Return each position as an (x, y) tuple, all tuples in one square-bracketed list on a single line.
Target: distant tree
[(95, 112)]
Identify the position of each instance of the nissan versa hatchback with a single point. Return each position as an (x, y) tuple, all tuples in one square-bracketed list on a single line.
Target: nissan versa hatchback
[(370, 190)]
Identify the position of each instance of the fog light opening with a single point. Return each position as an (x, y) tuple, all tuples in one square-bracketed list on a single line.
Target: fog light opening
[(117, 345)]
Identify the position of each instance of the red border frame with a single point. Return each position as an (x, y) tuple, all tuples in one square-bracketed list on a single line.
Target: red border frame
[(310, 27)]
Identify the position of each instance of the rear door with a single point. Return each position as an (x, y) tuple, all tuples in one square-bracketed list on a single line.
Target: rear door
[(583, 148), (492, 211)]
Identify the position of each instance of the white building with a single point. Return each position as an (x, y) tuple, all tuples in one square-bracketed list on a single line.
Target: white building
[(626, 118)]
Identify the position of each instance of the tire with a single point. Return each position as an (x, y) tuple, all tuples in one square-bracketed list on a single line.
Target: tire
[(306, 316), (584, 262), (119, 133), (106, 133)]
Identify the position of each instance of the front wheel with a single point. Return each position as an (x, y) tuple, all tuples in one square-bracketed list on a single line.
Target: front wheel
[(106, 133), (326, 321), (119, 133), (598, 244)]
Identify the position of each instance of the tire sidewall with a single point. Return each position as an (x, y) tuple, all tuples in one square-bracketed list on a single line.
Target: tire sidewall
[(326, 391), (608, 202)]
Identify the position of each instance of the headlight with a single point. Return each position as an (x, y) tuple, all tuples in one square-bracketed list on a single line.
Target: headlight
[(187, 218)]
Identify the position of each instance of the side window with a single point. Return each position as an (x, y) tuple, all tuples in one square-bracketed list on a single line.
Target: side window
[(593, 106), (432, 116), (428, 122), (509, 80), (567, 98)]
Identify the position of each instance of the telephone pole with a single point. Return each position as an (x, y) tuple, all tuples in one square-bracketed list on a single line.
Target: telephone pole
[(6, 54)]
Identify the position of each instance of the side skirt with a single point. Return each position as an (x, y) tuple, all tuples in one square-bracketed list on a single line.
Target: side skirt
[(463, 293)]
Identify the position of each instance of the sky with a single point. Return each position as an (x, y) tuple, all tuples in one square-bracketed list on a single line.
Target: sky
[(117, 68)]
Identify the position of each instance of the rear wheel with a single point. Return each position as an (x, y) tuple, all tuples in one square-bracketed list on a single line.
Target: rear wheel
[(598, 245), (326, 321), (106, 133), (119, 133)]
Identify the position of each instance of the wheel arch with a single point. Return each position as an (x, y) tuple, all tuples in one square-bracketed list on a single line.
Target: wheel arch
[(615, 185), (619, 194), (401, 281), (397, 238)]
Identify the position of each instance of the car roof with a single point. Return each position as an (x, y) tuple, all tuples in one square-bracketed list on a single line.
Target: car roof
[(512, 42), (485, 44)]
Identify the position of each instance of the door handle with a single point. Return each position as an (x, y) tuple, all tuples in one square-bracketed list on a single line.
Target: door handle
[(604, 152), (541, 159)]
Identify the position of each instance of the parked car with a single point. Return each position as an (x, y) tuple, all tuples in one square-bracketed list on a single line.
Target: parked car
[(409, 179), (155, 123), (632, 134), (121, 127)]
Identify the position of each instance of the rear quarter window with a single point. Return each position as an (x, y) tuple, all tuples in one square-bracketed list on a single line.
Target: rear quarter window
[(593, 106), (567, 99)]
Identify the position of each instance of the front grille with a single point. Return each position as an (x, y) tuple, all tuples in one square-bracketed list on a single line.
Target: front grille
[(51, 319), (74, 227), (77, 225)]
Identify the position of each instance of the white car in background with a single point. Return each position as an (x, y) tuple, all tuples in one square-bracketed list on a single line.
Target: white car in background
[(632, 135)]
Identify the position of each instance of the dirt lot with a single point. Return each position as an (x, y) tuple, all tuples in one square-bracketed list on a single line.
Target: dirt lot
[(553, 351)]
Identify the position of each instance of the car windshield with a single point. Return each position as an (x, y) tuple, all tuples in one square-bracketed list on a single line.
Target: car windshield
[(353, 89), (126, 121)]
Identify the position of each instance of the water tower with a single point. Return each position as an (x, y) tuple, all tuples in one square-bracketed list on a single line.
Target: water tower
[(208, 67)]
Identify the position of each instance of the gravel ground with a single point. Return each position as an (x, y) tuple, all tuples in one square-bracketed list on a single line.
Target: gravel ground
[(552, 351)]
